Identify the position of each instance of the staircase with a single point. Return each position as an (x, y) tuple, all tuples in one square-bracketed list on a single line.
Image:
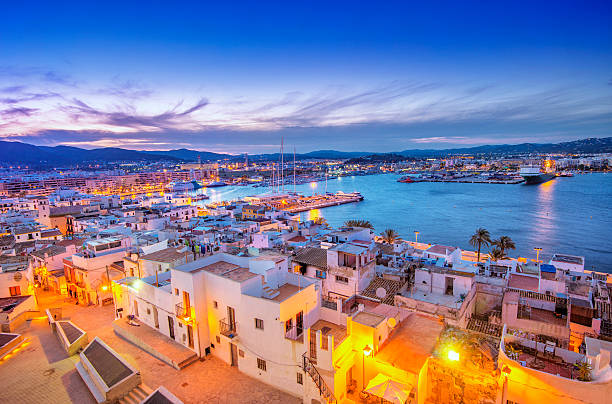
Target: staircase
[(269, 292), (136, 396), (324, 391)]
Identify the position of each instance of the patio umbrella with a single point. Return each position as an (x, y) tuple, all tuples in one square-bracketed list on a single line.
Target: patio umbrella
[(384, 387)]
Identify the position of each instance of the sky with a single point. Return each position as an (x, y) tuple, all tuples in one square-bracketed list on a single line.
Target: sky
[(352, 76)]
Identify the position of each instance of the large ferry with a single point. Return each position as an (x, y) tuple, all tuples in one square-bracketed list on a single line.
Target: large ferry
[(179, 186), (538, 173)]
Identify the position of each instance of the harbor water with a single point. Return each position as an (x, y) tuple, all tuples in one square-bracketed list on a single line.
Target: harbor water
[(566, 215)]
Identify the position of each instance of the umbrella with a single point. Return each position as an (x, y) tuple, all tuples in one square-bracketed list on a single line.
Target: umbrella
[(384, 387)]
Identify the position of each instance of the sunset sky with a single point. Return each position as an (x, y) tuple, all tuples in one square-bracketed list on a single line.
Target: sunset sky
[(354, 76)]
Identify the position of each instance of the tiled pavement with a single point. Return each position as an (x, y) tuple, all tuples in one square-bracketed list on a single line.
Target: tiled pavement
[(42, 372)]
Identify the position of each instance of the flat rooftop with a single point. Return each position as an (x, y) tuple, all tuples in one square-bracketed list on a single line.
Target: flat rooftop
[(523, 282), (449, 301), (412, 342), (368, 319), (570, 259), (286, 291)]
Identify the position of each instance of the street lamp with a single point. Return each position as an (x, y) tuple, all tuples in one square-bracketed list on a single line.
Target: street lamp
[(538, 249), (366, 352), (416, 236)]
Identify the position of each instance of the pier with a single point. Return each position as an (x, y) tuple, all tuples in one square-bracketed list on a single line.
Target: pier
[(305, 203)]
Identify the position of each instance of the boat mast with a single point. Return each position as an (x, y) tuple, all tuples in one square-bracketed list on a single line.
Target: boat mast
[(283, 163)]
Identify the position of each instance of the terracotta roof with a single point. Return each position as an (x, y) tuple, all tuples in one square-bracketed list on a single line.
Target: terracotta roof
[(440, 249), (52, 251), (50, 233), (168, 255), (298, 239), (390, 286), (312, 256)]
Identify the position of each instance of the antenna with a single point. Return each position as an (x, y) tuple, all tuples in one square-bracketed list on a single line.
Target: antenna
[(294, 169), (283, 163)]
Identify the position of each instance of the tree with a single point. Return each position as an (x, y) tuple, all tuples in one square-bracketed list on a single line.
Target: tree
[(359, 223), (389, 236), (320, 221), (480, 238), (497, 254), (504, 243)]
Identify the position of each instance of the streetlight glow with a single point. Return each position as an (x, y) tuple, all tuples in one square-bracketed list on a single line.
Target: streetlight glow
[(453, 356)]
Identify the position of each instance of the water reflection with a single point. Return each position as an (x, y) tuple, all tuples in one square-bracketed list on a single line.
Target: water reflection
[(543, 229)]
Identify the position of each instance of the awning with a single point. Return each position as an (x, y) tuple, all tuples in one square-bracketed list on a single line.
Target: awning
[(384, 387)]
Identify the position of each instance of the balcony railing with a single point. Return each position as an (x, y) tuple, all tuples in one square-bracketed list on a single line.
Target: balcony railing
[(330, 304), (228, 329), (183, 313), (294, 333)]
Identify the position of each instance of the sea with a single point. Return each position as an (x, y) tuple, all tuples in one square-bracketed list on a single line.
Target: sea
[(569, 215)]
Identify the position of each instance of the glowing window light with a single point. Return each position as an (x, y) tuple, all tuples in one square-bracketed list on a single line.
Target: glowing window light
[(453, 356)]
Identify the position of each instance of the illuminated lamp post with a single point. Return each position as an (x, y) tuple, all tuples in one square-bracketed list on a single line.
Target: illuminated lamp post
[(537, 250), (416, 236), (366, 352)]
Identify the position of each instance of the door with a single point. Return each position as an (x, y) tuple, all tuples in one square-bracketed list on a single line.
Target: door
[(234, 352), (171, 326), (156, 317), (231, 318), (190, 336), (136, 308), (449, 286)]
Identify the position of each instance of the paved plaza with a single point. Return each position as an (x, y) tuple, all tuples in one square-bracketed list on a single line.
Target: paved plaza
[(42, 371)]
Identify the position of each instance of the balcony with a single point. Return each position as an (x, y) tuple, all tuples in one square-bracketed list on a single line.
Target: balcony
[(183, 313), (227, 329), (295, 334)]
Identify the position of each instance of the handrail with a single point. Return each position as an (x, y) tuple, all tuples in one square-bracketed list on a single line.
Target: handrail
[(324, 391)]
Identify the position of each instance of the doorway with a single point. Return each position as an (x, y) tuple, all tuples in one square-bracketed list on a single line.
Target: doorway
[(231, 318), (190, 336), (299, 322), (171, 326), (156, 317), (448, 290), (136, 308), (234, 354)]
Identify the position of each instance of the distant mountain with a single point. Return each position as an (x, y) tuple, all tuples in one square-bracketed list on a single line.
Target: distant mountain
[(590, 145), (23, 153), (191, 155)]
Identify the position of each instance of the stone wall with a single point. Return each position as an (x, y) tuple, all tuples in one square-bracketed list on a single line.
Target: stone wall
[(450, 383)]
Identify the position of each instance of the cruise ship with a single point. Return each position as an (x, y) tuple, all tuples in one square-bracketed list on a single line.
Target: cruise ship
[(538, 173)]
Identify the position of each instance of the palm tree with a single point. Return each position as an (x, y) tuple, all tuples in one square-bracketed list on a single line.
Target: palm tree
[(504, 243), (497, 254), (480, 238), (584, 370), (359, 223), (389, 236), (320, 221)]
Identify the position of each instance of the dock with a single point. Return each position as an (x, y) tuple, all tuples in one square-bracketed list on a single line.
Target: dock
[(305, 203)]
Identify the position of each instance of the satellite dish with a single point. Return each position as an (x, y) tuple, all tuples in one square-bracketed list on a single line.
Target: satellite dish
[(381, 293), (391, 322), (17, 276)]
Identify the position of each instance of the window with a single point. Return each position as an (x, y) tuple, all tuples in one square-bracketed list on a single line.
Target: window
[(300, 378), (321, 274), (241, 353), (218, 340), (215, 304), (15, 291), (261, 364), (341, 279), (259, 323), (324, 342), (176, 291)]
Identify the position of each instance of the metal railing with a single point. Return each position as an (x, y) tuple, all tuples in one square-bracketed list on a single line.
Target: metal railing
[(324, 391), (330, 304), (294, 333), (228, 329)]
